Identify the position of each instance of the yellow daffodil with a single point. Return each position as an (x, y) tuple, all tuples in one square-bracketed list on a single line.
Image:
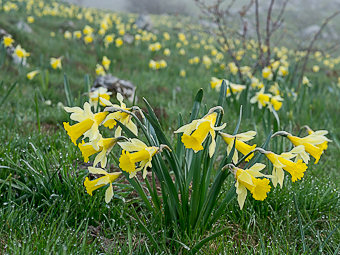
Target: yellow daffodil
[(182, 73), (142, 154), (30, 19), (88, 122), (55, 63), (306, 82), (99, 94), (310, 142), (100, 70), (318, 138), (162, 63), (67, 35), (77, 34), (88, 30), (283, 71), (233, 68), (240, 144), (166, 52), (155, 46), (267, 73), (248, 180), (195, 133), (276, 102), (274, 89), (316, 68), (32, 74), (108, 39), (108, 178), (119, 42), (122, 116), (282, 162), (106, 63), (20, 52), (88, 39), (297, 152), (166, 36), (8, 41), (102, 145), (260, 98), (215, 83)]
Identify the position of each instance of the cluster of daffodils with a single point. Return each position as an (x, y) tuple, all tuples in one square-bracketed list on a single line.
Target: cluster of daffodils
[(136, 156), (18, 51), (233, 88), (156, 65), (103, 67)]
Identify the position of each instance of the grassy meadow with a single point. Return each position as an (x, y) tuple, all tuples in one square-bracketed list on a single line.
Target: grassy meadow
[(44, 207)]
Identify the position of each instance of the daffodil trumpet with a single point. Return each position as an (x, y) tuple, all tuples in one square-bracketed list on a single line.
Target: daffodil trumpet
[(196, 132)]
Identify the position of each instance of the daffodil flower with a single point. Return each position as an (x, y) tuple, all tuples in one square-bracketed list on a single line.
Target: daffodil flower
[(108, 178), (106, 63), (8, 41), (248, 180), (318, 138), (101, 145), (275, 102), (267, 73), (99, 94), (122, 116), (261, 98), (308, 143), (55, 63), (195, 133), (240, 144), (32, 74), (142, 154), (297, 152), (282, 162), (20, 52), (88, 122)]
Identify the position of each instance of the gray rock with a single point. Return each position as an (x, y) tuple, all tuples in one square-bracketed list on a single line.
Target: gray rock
[(68, 25), (144, 22), (24, 27), (116, 85), (128, 38)]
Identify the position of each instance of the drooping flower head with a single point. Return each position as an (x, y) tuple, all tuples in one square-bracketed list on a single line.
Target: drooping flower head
[(282, 162), (248, 179), (310, 142), (101, 145), (32, 74), (108, 178), (195, 133), (88, 122), (318, 138), (240, 144), (135, 152)]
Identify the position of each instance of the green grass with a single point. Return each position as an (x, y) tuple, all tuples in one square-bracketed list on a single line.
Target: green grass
[(45, 209)]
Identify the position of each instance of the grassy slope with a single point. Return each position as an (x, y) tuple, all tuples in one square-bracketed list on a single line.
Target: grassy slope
[(50, 211)]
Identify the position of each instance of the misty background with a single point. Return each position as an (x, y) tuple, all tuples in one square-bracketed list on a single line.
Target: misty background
[(302, 18)]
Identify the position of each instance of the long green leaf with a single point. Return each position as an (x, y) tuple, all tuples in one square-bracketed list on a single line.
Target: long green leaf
[(7, 93), (198, 246), (197, 104), (69, 97)]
